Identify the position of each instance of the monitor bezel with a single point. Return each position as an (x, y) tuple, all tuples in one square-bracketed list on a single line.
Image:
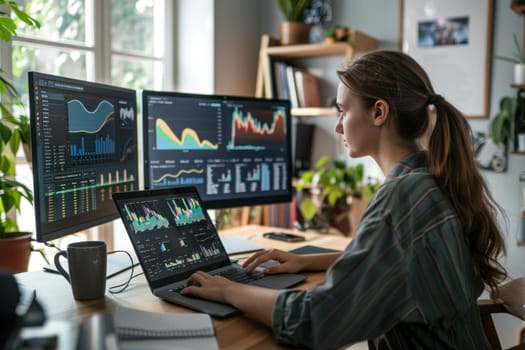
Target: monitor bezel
[(222, 203)]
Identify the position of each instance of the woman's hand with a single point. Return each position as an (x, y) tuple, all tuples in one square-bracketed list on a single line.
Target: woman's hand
[(206, 286), (288, 262), (241, 296)]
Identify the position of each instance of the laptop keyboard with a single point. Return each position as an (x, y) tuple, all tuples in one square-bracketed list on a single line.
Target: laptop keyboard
[(233, 274), (241, 276)]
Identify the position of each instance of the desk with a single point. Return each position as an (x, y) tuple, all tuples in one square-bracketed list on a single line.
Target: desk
[(238, 332)]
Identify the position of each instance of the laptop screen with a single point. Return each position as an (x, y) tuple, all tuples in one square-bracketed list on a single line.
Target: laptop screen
[(171, 233)]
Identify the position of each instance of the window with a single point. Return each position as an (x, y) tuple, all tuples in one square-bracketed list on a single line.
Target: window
[(119, 41)]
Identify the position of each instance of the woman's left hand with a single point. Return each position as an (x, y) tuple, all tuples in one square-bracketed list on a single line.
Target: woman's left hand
[(206, 286)]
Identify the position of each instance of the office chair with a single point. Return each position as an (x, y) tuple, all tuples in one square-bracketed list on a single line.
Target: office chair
[(511, 301)]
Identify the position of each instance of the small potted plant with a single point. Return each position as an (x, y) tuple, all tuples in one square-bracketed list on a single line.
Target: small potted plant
[(329, 36), (338, 33), (500, 128), (519, 62), (293, 30), (507, 122), (334, 190)]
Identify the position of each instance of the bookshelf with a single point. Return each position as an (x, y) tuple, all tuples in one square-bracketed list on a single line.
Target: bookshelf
[(271, 49), (520, 10)]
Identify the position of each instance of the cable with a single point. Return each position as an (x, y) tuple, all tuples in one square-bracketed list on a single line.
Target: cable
[(123, 286), (41, 250)]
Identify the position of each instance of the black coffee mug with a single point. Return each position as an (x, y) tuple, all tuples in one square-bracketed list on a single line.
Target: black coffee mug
[(87, 269)]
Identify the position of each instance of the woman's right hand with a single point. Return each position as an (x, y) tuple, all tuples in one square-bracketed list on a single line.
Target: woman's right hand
[(288, 262)]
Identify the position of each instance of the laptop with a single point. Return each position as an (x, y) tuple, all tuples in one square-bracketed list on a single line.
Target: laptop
[(173, 237)]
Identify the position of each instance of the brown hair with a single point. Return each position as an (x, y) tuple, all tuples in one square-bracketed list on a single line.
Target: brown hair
[(399, 80)]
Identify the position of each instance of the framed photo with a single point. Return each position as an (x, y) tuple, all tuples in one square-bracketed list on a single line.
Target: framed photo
[(452, 40)]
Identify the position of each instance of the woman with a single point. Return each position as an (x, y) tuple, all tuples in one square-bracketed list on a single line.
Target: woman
[(426, 245)]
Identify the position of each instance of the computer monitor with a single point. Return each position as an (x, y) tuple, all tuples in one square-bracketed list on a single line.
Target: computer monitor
[(84, 148), (235, 150)]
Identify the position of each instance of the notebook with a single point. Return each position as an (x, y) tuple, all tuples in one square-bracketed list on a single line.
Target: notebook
[(137, 324), (173, 237), (126, 328)]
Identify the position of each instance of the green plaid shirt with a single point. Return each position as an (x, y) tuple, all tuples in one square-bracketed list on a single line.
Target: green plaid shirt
[(406, 281)]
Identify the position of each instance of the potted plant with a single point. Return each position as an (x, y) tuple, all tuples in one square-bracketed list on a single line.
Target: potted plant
[(15, 246), (519, 62), (293, 30), (336, 194), (500, 128), (329, 36)]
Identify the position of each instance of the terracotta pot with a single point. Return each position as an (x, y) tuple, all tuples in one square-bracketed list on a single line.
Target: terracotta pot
[(357, 208), (339, 216), (15, 251), (27, 153), (293, 33)]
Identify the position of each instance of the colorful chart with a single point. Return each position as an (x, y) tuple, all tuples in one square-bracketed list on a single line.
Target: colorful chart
[(186, 211), (189, 140), (248, 132), (128, 149), (144, 218), (91, 133), (181, 177), (80, 120)]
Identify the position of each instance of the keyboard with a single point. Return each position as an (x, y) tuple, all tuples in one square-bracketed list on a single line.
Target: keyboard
[(241, 276), (234, 274)]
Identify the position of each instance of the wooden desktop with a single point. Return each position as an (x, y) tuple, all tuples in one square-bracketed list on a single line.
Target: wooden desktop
[(238, 332)]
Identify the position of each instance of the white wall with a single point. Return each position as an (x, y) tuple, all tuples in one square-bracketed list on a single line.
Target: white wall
[(217, 46), (236, 47), (194, 49)]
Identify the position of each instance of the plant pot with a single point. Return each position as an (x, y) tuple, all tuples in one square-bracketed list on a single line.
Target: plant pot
[(339, 216), (519, 74), (357, 208), (27, 153), (293, 33), (15, 249)]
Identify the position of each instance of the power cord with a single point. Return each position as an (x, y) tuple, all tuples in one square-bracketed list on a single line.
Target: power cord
[(123, 286), (41, 250)]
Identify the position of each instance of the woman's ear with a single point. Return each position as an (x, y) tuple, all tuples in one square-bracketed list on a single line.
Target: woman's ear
[(381, 112)]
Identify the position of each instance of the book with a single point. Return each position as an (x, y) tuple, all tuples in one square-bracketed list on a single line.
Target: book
[(149, 330), (269, 83), (307, 87), (281, 82), (290, 75)]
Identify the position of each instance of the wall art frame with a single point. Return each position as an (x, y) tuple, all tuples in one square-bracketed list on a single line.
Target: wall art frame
[(452, 40)]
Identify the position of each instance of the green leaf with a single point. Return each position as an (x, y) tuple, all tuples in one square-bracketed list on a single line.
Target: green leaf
[(322, 161), (7, 28), (5, 133), (14, 142), (333, 195), (7, 165), (308, 208), (500, 128), (23, 16)]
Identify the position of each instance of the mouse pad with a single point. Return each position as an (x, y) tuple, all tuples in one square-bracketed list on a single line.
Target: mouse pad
[(307, 249)]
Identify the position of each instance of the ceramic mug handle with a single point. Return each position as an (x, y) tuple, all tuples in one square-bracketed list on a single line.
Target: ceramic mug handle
[(59, 267)]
